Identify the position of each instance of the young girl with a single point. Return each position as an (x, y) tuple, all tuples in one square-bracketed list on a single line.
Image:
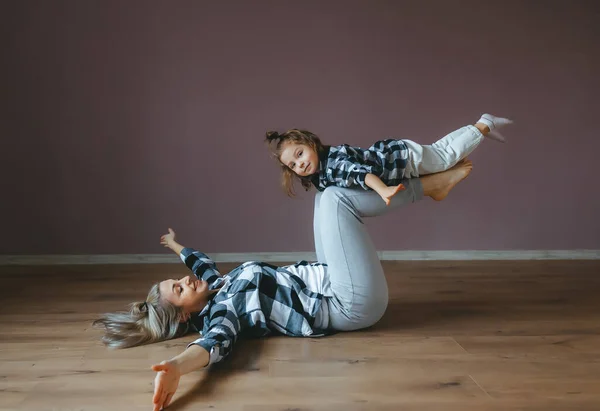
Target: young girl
[(381, 166)]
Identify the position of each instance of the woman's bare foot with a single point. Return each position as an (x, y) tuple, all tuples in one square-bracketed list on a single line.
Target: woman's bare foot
[(437, 186)]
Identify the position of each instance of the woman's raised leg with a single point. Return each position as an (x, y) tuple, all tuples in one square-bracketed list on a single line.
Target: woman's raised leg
[(342, 241), (357, 279)]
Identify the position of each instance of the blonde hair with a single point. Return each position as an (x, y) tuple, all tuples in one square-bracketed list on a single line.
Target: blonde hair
[(294, 136), (146, 322)]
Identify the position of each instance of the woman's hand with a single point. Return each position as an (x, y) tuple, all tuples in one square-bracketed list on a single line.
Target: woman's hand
[(168, 239), (165, 383)]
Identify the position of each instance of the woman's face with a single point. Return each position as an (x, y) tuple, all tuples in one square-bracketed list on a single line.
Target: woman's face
[(188, 293), (300, 158)]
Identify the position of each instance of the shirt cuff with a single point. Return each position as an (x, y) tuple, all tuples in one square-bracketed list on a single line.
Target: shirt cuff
[(212, 349)]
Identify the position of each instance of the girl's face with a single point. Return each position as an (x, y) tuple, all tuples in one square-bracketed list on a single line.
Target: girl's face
[(188, 293), (300, 158)]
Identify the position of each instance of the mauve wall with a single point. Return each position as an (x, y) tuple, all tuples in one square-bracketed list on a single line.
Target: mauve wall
[(121, 118)]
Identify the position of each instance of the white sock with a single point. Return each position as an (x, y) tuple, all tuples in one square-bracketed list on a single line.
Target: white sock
[(493, 124)]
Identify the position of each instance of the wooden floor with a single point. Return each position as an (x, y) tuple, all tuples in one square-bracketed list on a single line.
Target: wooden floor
[(457, 336)]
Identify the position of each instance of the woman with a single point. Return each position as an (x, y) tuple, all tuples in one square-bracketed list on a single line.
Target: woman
[(345, 291)]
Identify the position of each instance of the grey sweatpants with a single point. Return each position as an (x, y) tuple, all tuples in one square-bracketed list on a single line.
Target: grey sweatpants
[(360, 293)]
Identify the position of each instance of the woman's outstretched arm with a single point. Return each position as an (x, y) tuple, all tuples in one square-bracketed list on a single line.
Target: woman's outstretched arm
[(169, 372), (212, 347), (199, 263), (168, 240)]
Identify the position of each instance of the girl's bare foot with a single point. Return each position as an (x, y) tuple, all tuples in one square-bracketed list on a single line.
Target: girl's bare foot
[(437, 186)]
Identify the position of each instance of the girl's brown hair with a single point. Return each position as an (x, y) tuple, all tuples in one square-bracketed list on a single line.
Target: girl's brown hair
[(294, 136)]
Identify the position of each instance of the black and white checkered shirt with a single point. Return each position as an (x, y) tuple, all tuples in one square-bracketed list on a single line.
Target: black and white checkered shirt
[(257, 299), (347, 166)]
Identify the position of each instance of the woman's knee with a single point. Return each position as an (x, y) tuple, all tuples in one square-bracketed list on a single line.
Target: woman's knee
[(359, 315), (332, 194), (332, 197), (378, 307)]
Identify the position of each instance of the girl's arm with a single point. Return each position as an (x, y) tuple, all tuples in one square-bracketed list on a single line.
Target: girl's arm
[(345, 172), (386, 192)]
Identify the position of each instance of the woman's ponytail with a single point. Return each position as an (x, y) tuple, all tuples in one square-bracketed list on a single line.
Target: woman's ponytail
[(146, 322)]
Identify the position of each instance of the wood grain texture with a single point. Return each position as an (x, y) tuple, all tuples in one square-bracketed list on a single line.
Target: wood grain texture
[(488, 335)]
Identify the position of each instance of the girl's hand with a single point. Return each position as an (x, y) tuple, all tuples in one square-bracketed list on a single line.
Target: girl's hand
[(165, 383), (167, 239), (388, 192)]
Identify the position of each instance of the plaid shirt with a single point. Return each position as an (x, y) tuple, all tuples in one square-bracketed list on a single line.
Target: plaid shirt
[(257, 299), (346, 166)]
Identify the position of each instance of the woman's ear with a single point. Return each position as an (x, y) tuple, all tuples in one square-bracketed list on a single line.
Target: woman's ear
[(184, 317)]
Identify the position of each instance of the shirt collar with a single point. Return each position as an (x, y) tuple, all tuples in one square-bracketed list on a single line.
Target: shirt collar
[(218, 283), (323, 155)]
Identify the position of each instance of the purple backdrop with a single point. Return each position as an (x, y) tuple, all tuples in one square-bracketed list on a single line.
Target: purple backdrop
[(120, 119)]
